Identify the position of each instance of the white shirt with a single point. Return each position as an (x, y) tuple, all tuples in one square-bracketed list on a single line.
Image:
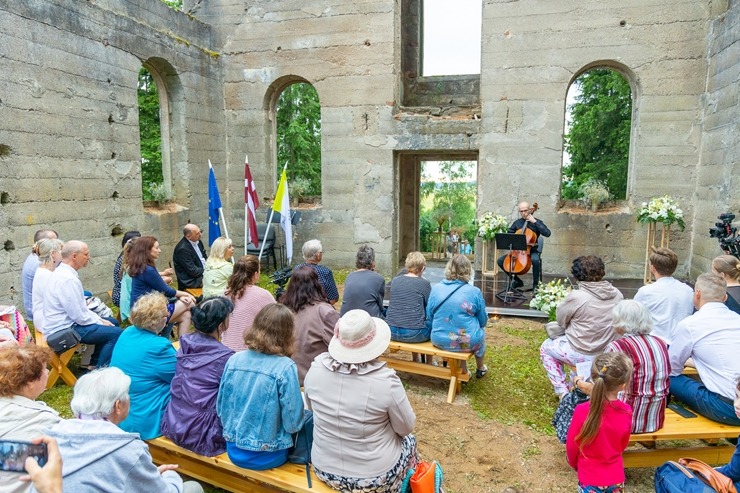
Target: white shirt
[(669, 301), (712, 337), (40, 280), (196, 247), (64, 301)]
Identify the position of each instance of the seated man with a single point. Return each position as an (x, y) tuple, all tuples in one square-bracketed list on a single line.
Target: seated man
[(711, 336), (668, 299), (313, 252), (65, 306), (189, 258), (527, 221)]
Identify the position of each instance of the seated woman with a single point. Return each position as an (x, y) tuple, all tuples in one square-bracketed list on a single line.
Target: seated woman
[(408, 304), (118, 267), (50, 254), (362, 435), (315, 317), (97, 454), (248, 299), (585, 314), (218, 267), (458, 313), (23, 375), (190, 418), (125, 289), (647, 394), (259, 401), (728, 268), (149, 360), (145, 279), (364, 288)]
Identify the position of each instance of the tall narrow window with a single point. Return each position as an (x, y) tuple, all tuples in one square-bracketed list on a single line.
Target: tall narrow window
[(153, 185), (597, 138), (298, 130), (451, 37)]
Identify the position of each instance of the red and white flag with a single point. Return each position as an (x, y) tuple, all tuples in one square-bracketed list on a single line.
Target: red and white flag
[(251, 202)]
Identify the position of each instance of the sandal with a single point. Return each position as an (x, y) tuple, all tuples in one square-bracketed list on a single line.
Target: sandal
[(482, 372)]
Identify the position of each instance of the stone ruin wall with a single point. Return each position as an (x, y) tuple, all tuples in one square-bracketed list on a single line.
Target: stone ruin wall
[(56, 59)]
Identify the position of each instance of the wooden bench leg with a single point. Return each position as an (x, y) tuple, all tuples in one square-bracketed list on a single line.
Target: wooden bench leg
[(454, 372), (59, 369)]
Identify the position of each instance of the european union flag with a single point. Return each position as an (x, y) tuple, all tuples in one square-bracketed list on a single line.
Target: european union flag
[(214, 204)]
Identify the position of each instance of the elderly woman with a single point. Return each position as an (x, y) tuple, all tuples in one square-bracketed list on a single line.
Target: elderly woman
[(248, 299), (190, 419), (218, 267), (585, 316), (313, 254), (408, 304), (647, 393), (728, 268), (362, 435), (458, 313), (315, 318), (23, 375), (50, 254), (100, 456), (259, 401), (149, 360), (364, 288)]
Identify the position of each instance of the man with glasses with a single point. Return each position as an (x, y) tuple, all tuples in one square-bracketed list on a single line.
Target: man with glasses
[(190, 258), (539, 229)]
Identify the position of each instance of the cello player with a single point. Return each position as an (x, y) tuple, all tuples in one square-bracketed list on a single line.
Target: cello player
[(539, 228)]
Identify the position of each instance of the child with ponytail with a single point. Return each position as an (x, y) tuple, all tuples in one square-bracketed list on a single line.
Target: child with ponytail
[(600, 429)]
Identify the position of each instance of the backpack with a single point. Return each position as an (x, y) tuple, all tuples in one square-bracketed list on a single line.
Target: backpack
[(691, 476), (564, 413)]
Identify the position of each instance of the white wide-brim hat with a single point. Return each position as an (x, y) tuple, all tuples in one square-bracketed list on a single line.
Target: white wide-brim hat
[(359, 338)]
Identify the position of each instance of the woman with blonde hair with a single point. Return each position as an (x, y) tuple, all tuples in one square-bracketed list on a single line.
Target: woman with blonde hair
[(149, 360), (218, 267), (50, 254), (728, 268), (248, 299), (458, 313)]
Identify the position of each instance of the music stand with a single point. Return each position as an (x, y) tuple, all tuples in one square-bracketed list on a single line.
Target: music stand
[(511, 242)]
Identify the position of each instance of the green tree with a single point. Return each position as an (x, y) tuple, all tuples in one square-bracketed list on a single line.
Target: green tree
[(150, 134), (299, 134), (599, 136), (175, 4)]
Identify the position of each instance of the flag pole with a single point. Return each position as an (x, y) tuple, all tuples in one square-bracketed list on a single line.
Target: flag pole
[(246, 215), (272, 213)]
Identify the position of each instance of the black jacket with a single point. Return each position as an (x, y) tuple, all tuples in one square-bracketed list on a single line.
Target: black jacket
[(538, 227), (187, 265)]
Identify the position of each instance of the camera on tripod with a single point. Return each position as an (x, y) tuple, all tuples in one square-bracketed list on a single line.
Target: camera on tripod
[(281, 278), (726, 234)]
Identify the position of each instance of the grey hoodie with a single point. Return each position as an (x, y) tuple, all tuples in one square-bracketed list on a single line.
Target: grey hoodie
[(100, 457), (586, 315)]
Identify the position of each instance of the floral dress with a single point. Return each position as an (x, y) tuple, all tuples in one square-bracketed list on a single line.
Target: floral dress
[(458, 315)]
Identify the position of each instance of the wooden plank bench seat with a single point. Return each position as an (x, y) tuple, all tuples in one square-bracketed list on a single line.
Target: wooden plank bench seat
[(453, 372), (677, 427), (219, 471)]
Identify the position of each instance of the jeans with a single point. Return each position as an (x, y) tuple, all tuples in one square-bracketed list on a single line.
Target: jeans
[(410, 335), (702, 400), (104, 338), (536, 266)]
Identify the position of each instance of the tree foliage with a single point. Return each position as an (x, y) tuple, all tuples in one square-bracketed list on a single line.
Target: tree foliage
[(175, 4), (299, 135), (150, 134), (599, 136)]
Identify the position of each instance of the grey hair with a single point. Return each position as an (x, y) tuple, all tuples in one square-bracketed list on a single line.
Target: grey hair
[(311, 249), (712, 287), (72, 247), (44, 248), (633, 317), (365, 257), (96, 393), (459, 268)]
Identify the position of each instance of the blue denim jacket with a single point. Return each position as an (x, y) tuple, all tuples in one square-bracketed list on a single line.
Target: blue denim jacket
[(259, 401)]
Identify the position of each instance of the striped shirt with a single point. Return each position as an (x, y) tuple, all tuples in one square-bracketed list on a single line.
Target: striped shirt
[(648, 391), (408, 302), (246, 309)]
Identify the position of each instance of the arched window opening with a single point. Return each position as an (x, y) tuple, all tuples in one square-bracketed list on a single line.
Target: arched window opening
[(298, 136), (598, 126), (153, 140)]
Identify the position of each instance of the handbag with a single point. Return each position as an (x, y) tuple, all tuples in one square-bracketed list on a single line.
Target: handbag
[(691, 476), (564, 413), (300, 452), (427, 477), (63, 340)]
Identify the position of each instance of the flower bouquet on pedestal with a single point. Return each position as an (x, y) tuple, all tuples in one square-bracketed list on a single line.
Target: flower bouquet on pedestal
[(663, 210), (490, 224)]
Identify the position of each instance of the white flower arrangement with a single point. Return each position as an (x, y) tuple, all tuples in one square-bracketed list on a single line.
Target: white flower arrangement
[(490, 224), (549, 296), (661, 210)]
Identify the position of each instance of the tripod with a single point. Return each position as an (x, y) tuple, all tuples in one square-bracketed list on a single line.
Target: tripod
[(510, 242)]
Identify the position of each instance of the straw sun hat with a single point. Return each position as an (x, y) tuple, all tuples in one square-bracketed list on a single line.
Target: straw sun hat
[(359, 338)]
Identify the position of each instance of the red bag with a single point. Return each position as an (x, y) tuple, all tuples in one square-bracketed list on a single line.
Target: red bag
[(425, 477)]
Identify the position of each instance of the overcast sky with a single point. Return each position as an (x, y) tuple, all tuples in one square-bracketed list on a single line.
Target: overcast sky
[(452, 37)]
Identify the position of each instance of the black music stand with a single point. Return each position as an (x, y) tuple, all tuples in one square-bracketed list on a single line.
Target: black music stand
[(511, 242)]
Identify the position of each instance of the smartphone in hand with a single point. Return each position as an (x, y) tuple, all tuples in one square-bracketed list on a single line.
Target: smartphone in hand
[(13, 455)]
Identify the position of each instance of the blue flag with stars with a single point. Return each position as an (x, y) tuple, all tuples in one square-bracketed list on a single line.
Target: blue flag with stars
[(214, 204)]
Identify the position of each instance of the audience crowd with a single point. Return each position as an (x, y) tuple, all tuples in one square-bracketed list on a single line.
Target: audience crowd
[(232, 382)]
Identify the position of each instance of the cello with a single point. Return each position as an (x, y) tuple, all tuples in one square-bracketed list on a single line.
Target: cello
[(520, 261)]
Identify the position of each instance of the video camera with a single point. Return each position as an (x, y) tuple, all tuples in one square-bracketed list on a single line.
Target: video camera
[(726, 234), (281, 278)]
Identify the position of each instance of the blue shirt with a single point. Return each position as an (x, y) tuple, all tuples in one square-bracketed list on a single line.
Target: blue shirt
[(149, 281), (458, 322), (326, 278), (29, 270)]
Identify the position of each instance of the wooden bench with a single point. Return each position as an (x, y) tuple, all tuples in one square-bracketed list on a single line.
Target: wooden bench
[(677, 427), (456, 362), (196, 292), (219, 471), (58, 364)]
